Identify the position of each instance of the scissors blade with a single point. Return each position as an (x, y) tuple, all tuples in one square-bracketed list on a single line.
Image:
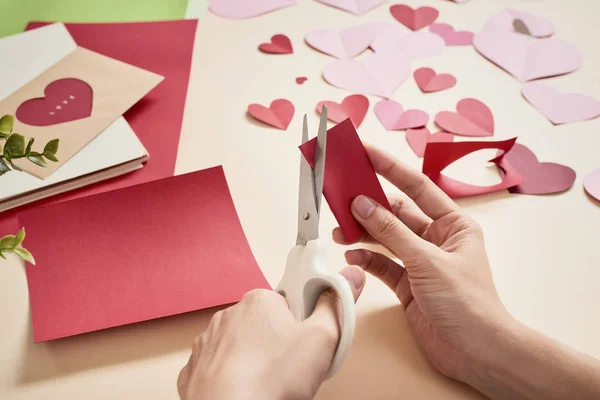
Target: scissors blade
[(308, 216), (319, 160)]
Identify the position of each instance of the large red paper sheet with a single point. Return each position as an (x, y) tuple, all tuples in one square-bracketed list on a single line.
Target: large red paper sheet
[(440, 155), (143, 252), (348, 174)]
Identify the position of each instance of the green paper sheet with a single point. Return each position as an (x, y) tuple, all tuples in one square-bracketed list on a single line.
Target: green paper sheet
[(17, 13), (197, 8)]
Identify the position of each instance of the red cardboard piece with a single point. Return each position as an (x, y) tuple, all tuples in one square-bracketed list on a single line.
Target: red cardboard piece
[(430, 82), (148, 251), (279, 114), (540, 178), (348, 174), (472, 118), (419, 138), (414, 19), (440, 155), (280, 44), (354, 107)]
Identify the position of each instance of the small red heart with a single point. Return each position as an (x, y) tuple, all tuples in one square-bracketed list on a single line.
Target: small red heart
[(65, 100), (301, 79), (279, 114), (414, 19), (472, 118), (418, 139), (430, 82), (354, 107), (280, 44)]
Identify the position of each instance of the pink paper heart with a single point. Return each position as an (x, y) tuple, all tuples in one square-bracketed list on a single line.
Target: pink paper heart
[(528, 59), (591, 184), (280, 44), (379, 74), (394, 118), (395, 39), (346, 44), (357, 7), (519, 21), (540, 178), (354, 107), (418, 139), (240, 9), (450, 36), (279, 114), (414, 19), (561, 108), (472, 118), (429, 82)]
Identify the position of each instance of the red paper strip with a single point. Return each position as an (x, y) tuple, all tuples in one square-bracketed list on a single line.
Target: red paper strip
[(348, 174), (148, 251), (440, 155)]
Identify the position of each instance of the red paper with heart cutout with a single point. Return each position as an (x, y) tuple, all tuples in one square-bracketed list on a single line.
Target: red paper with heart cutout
[(65, 100)]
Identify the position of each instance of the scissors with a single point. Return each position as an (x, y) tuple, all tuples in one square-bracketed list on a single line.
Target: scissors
[(306, 276)]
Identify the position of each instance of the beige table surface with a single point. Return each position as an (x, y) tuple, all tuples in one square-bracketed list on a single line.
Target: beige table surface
[(542, 249)]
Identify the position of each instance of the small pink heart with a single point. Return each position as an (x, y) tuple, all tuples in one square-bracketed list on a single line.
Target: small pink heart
[(418, 139), (519, 21), (452, 37), (472, 118), (279, 114), (240, 9), (429, 82), (414, 19), (591, 183), (394, 118), (354, 107), (301, 79), (280, 44), (540, 178)]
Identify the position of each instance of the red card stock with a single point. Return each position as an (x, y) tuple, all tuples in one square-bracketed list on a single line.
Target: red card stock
[(147, 251), (440, 155), (348, 173)]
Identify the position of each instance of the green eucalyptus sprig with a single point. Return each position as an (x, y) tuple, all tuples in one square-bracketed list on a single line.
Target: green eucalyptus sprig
[(14, 244), (15, 148)]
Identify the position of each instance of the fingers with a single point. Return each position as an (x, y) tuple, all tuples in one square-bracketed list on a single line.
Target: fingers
[(428, 197), (389, 230)]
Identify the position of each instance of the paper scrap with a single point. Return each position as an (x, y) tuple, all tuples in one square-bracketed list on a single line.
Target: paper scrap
[(414, 19), (472, 118), (438, 156), (279, 114), (354, 107), (148, 251), (393, 117), (450, 36), (522, 22), (348, 174), (242, 9), (560, 108), (345, 44), (301, 79), (357, 7), (591, 183), (429, 81), (419, 138), (280, 44)]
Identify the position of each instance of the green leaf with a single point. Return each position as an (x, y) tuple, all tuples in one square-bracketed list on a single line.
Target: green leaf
[(9, 159), (51, 146), (50, 156), (20, 237), (2, 254), (38, 160), (25, 255), (6, 123), (8, 242), (3, 167), (15, 145), (28, 149)]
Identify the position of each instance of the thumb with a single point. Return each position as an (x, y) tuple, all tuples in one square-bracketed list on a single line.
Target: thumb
[(387, 229)]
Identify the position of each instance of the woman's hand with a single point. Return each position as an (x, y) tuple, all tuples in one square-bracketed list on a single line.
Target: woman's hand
[(446, 284), (256, 350)]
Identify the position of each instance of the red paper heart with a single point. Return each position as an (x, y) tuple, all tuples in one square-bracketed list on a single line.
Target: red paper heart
[(279, 114), (473, 118), (301, 79), (540, 178), (429, 82), (65, 100), (280, 44), (418, 139), (414, 19), (354, 107)]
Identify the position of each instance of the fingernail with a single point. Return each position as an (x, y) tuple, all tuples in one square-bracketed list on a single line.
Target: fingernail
[(354, 276), (363, 206), (353, 257)]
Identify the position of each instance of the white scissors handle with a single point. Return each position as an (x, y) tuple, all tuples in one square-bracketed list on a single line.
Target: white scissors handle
[(304, 281)]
